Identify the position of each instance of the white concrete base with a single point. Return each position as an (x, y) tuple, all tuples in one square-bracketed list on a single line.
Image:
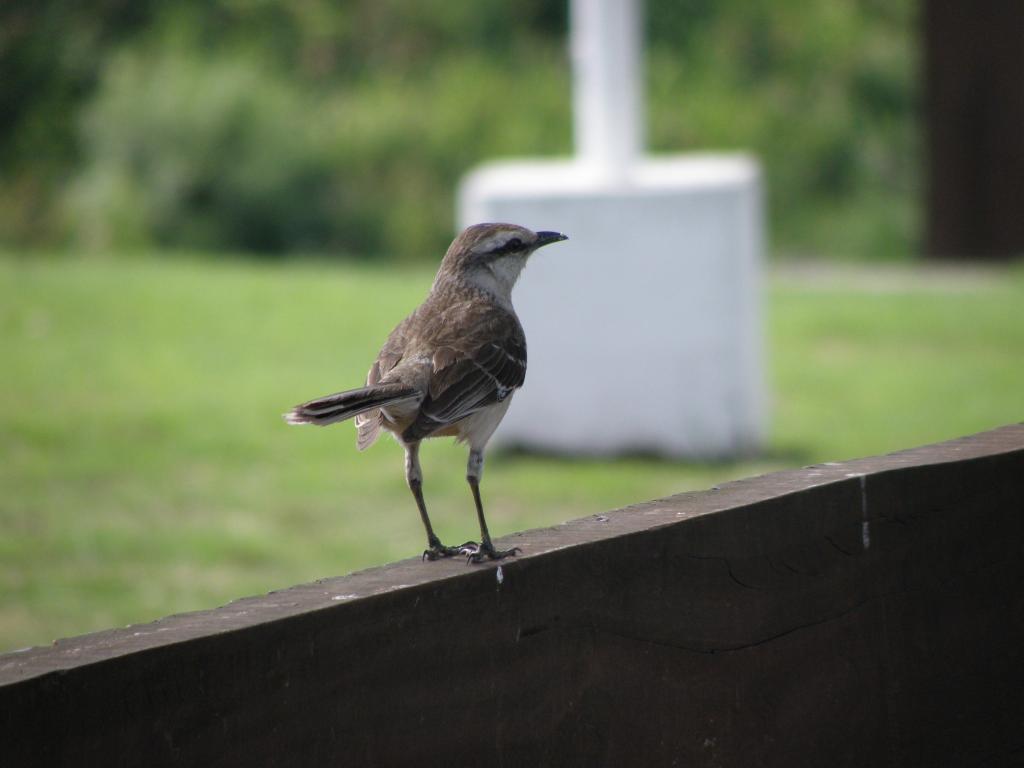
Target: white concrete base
[(644, 328)]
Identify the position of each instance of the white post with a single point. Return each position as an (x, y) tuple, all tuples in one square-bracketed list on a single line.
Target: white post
[(663, 257), (608, 108)]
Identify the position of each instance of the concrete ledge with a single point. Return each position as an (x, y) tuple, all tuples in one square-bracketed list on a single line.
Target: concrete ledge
[(869, 612)]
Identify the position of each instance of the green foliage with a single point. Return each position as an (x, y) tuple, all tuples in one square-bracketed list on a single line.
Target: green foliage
[(51, 52), (50, 56), (147, 470), (823, 92), (273, 127), (190, 152), (186, 153)]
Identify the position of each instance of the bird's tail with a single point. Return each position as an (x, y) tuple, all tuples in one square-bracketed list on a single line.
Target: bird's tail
[(345, 405)]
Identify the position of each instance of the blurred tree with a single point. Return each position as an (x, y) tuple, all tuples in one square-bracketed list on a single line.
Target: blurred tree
[(356, 119), (51, 54), (824, 92), (188, 152)]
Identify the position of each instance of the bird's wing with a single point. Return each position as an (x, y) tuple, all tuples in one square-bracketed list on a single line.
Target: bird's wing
[(368, 423), (391, 353), (465, 383)]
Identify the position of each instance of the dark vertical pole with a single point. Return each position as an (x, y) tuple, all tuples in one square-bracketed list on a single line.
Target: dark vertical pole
[(974, 112)]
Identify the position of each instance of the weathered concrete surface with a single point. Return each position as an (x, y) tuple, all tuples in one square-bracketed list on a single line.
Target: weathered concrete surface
[(863, 613)]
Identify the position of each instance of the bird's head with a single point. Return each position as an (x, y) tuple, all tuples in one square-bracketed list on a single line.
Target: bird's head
[(492, 255)]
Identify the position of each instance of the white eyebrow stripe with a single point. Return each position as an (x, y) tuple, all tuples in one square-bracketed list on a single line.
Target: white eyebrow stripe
[(497, 240)]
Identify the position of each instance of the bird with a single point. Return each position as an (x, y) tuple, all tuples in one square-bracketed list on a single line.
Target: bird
[(449, 369)]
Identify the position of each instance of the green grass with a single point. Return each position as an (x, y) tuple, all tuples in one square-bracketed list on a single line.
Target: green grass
[(144, 468)]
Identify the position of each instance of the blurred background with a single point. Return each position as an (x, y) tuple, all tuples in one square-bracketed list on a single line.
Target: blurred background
[(212, 210)]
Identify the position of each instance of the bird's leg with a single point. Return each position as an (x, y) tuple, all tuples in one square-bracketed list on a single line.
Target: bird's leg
[(486, 550), (414, 477)]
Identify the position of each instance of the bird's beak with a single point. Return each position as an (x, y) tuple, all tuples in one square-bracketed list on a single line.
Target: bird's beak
[(546, 238)]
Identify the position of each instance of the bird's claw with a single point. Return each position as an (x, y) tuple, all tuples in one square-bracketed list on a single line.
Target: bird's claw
[(486, 551), (438, 551)]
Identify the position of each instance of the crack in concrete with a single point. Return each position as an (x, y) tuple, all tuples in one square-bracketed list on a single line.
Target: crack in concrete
[(602, 628)]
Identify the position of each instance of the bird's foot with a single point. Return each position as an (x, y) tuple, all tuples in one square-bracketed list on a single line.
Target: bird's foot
[(437, 550), (486, 551)]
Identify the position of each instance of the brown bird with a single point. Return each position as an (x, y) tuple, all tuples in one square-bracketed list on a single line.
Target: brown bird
[(449, 369)]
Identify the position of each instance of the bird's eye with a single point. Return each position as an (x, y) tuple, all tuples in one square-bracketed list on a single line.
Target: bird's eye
[(514, 244)]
